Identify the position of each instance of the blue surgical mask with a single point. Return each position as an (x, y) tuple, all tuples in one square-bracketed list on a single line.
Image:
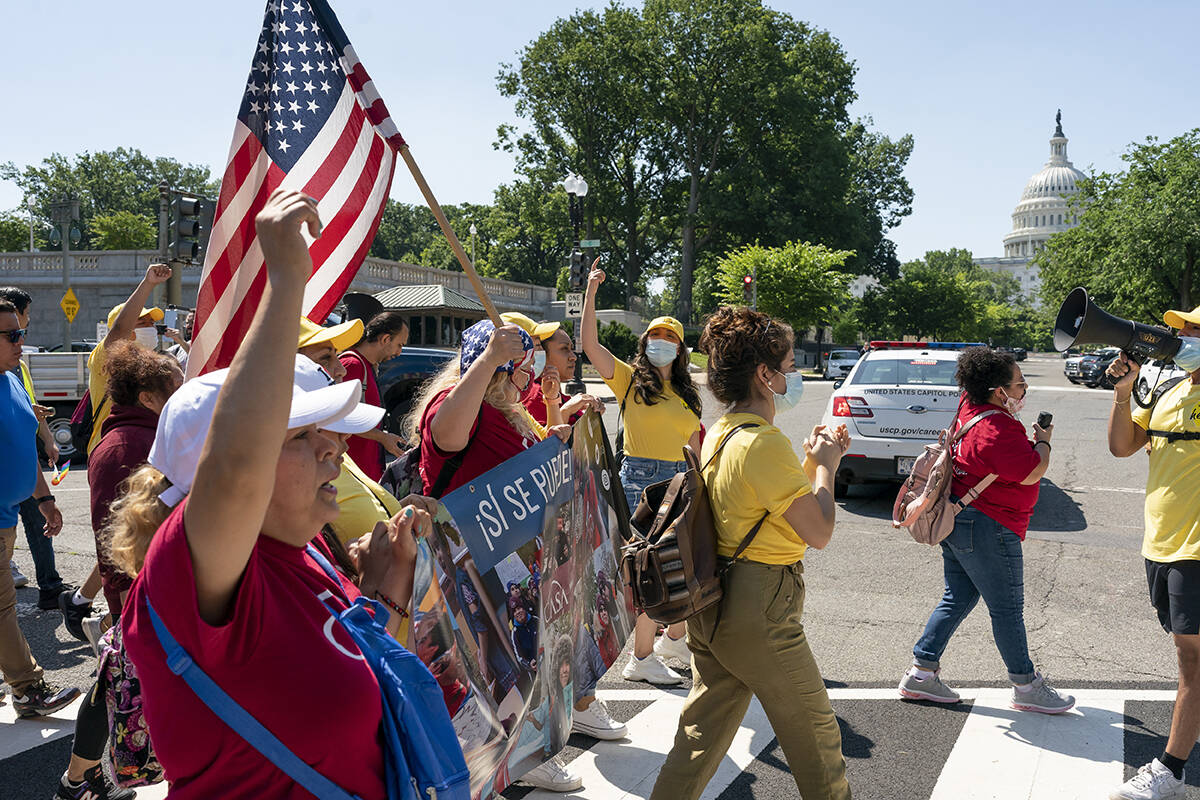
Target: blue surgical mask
[(791, 395), (661, 352), (1188, 357), (539, 362)]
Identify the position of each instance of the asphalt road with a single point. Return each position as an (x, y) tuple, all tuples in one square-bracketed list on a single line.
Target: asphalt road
[(868, 594)]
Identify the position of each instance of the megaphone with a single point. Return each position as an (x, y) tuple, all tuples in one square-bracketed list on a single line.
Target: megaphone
[(1080, 321), (361, 306)]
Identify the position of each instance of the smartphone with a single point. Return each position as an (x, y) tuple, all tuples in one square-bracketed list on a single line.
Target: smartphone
[(162, 328), (1044, 419)]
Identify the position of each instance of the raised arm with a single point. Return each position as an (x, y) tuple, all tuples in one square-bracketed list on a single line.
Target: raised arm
[(235, 477), (600, 356), (127, 320), (451, 425), (1125, 437)]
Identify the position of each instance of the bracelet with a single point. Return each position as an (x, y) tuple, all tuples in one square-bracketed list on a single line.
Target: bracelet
[(46, 498), (1049, 447), (392, 604), (1124, 402)]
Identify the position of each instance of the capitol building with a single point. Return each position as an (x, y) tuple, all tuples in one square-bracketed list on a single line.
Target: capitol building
[(1042, 212)]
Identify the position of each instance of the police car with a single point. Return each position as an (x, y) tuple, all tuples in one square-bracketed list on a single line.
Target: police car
[(896, 399)]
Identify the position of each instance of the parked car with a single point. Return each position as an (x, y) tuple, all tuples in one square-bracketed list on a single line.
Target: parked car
[(839, 363), (897, 399), (1018, 353), (1154, 374), (400, 379), (82, 346), (1071, 369), (1093, 365)]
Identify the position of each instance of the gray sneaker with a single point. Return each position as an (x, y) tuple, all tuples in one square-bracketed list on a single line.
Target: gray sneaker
[(1042, 697), (914, 687)]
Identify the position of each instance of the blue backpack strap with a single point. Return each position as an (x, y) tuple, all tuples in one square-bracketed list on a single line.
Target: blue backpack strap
[(324, 564), (239, 720)]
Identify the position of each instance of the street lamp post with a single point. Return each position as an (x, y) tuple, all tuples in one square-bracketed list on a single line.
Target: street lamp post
[(577, 189), (31, 208), (474, 231)]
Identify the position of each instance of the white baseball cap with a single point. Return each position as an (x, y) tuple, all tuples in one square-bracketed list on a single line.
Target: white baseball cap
[(185, 419), (311, 376)]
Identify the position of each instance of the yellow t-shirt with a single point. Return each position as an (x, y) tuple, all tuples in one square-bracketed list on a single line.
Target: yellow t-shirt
[(658, 431), (1172, 503), (756, 472), (27, 382), (98, 388), (361, 502)]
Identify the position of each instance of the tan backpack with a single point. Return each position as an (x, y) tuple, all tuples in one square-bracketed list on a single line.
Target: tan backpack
[(670, 560), (924, 503)]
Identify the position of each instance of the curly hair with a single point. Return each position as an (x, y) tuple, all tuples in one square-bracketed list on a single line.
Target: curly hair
[(648, 384), (134, 517), (981, 370), (132, 370), (738, 339)]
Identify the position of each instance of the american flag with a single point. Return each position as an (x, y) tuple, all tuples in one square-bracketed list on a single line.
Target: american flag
[(310, 119)]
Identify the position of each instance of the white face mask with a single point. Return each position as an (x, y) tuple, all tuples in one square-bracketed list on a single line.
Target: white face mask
[(1012, 404), (539, 362), (660, 352), (146, 337), (792, 393)]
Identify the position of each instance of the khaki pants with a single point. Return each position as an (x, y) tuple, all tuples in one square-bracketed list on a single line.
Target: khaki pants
[(16, 662), (759, 650)]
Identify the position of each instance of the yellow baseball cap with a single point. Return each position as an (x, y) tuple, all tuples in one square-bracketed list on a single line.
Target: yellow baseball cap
[(667, 323), (155, 313), (1177, 319), (341, 336), (538, 330)]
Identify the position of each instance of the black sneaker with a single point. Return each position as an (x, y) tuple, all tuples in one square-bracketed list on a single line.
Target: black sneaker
[(48, 598), (42, 699), (96, 785), (73, 615)]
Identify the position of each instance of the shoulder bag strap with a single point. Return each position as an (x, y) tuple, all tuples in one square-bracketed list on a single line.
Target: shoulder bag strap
[(621, 412), (971, 423), (725, 441), (238, 719), (749, 537), (447, 472), (973, 493)]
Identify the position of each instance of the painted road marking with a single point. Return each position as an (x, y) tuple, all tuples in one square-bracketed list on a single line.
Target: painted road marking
[(19, 735)]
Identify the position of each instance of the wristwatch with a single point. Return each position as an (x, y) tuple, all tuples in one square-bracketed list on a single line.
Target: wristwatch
[(44, 498)]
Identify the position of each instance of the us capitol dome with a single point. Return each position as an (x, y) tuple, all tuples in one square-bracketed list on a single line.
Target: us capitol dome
[(1043, 211)]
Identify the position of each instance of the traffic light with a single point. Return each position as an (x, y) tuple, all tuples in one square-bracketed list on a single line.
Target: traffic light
[(189, 226), (748, 288), (576, 269)]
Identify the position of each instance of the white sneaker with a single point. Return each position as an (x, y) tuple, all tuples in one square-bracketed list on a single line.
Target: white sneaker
[(19, 580), (665, 647), (1152, 782), (595, 721), (651, 670), (93, 629), (553, 776)]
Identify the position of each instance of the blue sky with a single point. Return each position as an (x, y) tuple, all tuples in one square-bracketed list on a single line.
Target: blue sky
[(977, 84)]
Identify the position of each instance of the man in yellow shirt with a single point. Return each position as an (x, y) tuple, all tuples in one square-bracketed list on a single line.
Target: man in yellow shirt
[(130, 320), (1171, 544)]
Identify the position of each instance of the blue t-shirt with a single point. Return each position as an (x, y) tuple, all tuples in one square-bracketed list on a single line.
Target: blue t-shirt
[(18, 443)]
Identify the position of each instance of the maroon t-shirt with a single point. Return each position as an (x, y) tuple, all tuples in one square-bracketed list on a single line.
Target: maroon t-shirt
[(492, 441), (536, 404), (279, 643), (367, 454), (997, 444)]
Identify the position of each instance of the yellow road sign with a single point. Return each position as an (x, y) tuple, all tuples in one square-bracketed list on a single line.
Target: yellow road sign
[(70, 305)]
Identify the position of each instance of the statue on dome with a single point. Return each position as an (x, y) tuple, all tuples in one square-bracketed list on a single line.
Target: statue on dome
[(1058, 123)]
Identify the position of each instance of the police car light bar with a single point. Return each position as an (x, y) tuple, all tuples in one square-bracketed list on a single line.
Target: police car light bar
[(884, 345)]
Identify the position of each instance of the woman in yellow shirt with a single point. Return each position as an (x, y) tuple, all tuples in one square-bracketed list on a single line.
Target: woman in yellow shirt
[(753, 642), (661, 410)]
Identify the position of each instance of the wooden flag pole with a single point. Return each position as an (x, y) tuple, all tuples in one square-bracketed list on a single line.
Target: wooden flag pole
[(455, 245)]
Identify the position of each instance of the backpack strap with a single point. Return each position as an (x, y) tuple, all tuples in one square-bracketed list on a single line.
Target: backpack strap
[(749, 537), (962, 431), (446, 474), (1175, 436), (973, 493), (725, 441), (238, 719)]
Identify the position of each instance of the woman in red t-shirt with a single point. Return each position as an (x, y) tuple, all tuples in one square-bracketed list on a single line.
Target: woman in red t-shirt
[(982, 555), (243, 461)]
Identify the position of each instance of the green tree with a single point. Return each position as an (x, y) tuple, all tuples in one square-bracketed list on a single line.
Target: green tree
[(122, 230), (801, 283), (116, 180), (619, 339), (1138, 239), (926, 301), (14, 232)]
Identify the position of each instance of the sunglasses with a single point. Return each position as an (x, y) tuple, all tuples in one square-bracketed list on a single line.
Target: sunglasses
[(15, 335)]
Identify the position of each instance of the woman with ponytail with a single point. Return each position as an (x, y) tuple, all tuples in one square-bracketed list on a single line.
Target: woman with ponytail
[(769, 507)]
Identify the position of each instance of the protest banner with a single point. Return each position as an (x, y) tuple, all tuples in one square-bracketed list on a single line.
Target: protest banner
[(519, 603)]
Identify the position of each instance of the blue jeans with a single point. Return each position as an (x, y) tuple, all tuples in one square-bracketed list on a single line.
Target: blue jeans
[(638, 473), (41, 546), (980, 557)]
